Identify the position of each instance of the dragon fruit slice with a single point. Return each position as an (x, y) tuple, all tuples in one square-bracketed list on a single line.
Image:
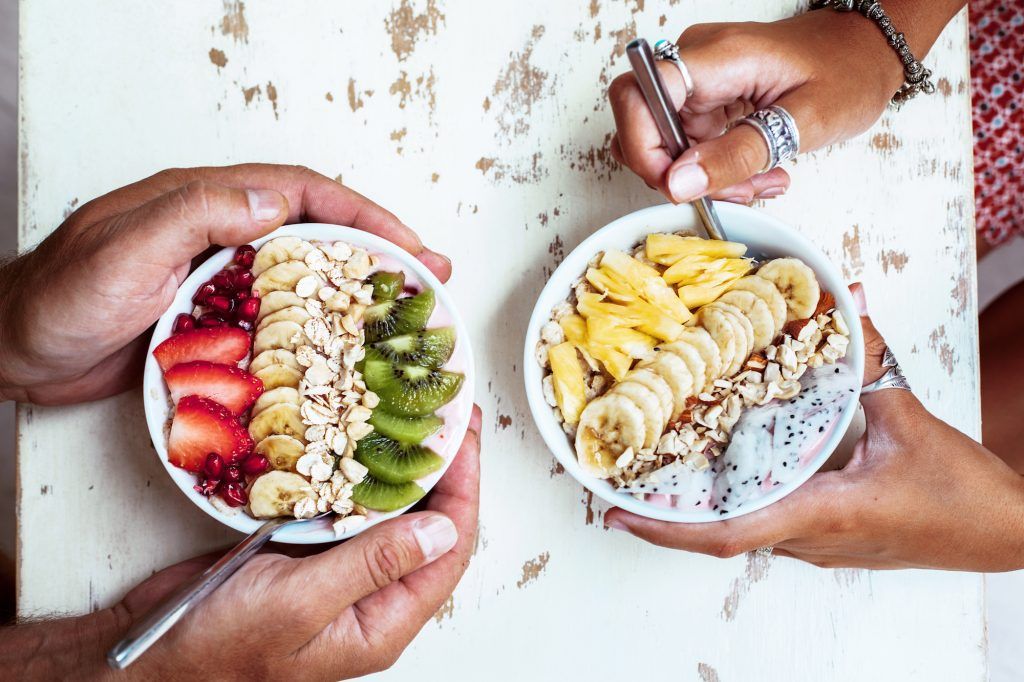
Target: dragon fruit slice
[(691, 489), (803, 422), (748, 460)]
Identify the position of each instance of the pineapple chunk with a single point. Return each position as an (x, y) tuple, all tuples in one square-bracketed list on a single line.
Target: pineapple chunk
[(635, 344), (575, 328), (616, 289), (704, 270), (614, 362), (667, 249), (646, 281), (639, 314), (694, 296), (567, 377)]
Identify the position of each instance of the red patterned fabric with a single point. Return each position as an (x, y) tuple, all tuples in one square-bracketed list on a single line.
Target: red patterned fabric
[(997, 83)]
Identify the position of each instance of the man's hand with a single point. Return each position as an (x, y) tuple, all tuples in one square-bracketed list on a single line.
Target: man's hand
[(75, 311), (917, 493), (344, 612)]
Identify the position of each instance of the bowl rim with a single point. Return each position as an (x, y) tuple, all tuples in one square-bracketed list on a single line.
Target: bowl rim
[(157, 415), (686, 219)]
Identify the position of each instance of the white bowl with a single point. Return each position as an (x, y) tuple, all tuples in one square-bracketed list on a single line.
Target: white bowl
[(763, 235), (446, 443)]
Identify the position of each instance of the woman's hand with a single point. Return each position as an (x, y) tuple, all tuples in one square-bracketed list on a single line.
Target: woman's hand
[(345, 612), (74, 311), (917, 493), (834, 72)]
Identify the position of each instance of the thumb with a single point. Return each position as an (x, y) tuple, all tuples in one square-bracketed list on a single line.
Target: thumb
[(371, 561), (181, 224)]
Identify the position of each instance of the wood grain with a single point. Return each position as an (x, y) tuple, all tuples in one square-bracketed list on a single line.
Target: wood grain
[(492, 142)]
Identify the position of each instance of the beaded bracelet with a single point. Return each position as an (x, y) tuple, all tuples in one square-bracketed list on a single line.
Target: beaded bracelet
[(917, 77)]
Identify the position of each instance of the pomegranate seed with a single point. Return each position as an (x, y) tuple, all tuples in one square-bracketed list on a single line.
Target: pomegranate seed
[(183, 323), (242, 279), (233, 475), (214, 466), (204, 292), (222, 304), (254, 464), (211, 320), (207, 486), (245, 255), (244, 324), (249, 309), (242, 294), (234, 494), (222, 280)]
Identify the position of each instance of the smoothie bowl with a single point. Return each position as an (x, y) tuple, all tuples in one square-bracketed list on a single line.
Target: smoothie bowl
[(318, 370), (692, 380)]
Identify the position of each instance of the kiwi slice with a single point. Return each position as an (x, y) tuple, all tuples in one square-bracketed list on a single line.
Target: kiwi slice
[(385, 497), (409, 390), (387, 286), (411, 430), (430, 348), (401, 316), (393, 462)]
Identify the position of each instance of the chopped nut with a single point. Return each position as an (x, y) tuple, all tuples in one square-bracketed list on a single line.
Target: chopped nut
[(306, 286)]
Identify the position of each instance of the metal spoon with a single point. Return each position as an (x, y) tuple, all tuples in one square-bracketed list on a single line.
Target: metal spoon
[(669, 124), (162, 618)]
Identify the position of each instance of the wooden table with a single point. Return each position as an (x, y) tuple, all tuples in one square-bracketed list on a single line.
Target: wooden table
[(485, 125)]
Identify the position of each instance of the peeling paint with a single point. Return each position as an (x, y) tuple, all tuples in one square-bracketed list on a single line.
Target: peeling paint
[(755, 571), (591, 516), (556, 469), (250, 93), (526, 171), (943, 351), (421, 88), (233, 23), (885, 142), (329, 97), (944, 86), (961, 293), (519, 87), (532, 569), (557, 250), (406, 26), (218, 58), (272, 96), (596, 160), (355, 102), (852, 264), (504, 421), (707, 673), (434, 177), (447, 610), (70, 208), (896, 260)]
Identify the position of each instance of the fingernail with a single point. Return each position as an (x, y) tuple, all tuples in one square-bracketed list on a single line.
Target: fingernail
[(435, 535), (737, 200), (687, 182), (435, 262), (772, 192), (615, 524), (860, 301), (265, 204)]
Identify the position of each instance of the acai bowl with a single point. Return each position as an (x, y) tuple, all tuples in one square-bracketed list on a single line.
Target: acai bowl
[(320, 369), (691, 380)]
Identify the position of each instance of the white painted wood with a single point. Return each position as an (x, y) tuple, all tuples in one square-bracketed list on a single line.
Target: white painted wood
[(483, 126)]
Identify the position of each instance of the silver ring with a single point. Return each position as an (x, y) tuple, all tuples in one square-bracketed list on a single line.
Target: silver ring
[(764, 551), (893, 377), (669, 52), (780, 133)]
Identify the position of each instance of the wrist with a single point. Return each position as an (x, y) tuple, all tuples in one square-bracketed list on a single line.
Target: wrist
[(69, 648), (11, 356)]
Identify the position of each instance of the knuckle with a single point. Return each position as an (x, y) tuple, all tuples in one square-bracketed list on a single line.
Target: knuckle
[(385, 559), (193, 200), (727, 549), (618, 89)]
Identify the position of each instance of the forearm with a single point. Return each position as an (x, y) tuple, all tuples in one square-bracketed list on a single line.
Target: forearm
[(921, 21), (69, 648)]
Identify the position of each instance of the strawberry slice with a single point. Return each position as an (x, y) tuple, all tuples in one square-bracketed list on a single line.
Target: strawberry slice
[(215, 344), (202, 426), (230, 386)]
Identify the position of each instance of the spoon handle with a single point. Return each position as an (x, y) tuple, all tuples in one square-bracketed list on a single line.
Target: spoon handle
[(147, 631), (669, 124)]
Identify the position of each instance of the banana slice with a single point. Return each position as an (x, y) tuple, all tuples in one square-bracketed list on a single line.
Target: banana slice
[(746, 329), (278, 376), (278, 251), (280, 394), (699, 338), (608, 426), (768, 293), (755, 310), (292, 313), (281, 451), (694, 362), (284, 334), (276, 492), (796, 282), (283, 419), (281, 277), (274, 356), (673, 370), (721, 329), (650, 379), (277, 300), (647, 400)]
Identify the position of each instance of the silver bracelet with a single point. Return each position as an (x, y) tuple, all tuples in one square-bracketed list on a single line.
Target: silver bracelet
[(917, 78)]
